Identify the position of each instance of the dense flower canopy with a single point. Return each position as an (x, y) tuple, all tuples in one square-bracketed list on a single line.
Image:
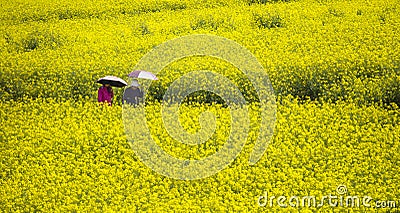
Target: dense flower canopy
[(334, 66)]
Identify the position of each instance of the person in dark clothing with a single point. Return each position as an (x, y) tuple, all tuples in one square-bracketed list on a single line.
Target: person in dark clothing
[(132, 95)]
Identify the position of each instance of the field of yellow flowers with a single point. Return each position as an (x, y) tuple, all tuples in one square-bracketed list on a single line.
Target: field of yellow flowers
[(334, 66)]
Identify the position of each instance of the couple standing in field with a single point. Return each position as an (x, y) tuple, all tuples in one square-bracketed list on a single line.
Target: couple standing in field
[(132, 94)]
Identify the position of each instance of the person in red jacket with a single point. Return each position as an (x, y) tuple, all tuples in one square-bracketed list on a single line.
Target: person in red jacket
[(105, 94)]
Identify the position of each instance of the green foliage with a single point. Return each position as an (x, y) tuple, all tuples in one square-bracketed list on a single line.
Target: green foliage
[(36, 40), (266, 1), (208, 23), (268, 21)]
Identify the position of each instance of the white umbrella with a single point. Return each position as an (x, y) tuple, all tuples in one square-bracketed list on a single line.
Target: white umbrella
[(142, 74)]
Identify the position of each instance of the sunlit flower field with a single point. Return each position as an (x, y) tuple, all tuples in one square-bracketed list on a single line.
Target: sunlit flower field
[(333, 64)]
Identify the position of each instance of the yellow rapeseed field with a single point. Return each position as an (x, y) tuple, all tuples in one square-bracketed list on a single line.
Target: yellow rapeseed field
[(333, 64)]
